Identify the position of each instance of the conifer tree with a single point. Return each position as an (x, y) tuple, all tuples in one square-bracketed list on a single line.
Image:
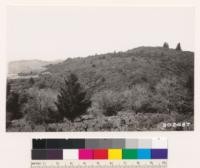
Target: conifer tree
[(72, 101), (178, 47), (166, 45)]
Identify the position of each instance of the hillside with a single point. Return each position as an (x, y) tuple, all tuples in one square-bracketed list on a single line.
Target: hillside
[(123, 69), (140, 89)]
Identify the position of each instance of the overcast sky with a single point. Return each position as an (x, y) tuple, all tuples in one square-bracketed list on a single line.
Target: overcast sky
[(55, 32)]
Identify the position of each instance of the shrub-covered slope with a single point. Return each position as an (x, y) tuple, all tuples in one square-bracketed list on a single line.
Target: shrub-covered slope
[(121, 70), (139, 89)]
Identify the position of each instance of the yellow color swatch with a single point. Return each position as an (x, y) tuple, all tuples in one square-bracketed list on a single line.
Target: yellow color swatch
[(114, 154)]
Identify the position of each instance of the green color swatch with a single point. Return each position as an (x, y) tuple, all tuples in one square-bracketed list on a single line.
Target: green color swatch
[(129, 153)]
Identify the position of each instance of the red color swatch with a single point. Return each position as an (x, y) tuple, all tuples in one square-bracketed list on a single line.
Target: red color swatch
[(100, 154)]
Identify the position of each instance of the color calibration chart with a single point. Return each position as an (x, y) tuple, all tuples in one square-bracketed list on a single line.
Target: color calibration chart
[(78, 153)]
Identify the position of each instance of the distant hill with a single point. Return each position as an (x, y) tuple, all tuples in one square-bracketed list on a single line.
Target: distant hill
[(28, 66), (120, 70)]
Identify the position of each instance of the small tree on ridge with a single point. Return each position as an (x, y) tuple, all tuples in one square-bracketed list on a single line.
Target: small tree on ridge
[(178, 47), (166, 45)]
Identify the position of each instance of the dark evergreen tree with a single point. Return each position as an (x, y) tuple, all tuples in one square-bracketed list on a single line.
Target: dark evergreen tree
[(13, 106), (178, 47), (31, 81), (166, 45), (72, 101)]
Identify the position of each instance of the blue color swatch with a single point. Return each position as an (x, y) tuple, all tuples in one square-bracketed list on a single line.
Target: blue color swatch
[(144, 154)]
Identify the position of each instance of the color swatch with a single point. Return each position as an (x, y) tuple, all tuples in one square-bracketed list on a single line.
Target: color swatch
[(70, 154), (114, 154), (101, 149), (85, 154), (100, 154), (144, 153), (130, 153)]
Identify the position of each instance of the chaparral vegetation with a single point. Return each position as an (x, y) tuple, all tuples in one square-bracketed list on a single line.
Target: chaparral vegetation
[(136, 90)]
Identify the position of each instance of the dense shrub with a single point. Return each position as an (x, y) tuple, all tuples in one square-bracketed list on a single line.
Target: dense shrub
[(138, 99), (107, 103), (14, 103), (170, 96), (13, 106), (40, 108)]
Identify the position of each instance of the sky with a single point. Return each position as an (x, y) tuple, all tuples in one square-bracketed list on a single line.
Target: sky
[(60, 32)]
